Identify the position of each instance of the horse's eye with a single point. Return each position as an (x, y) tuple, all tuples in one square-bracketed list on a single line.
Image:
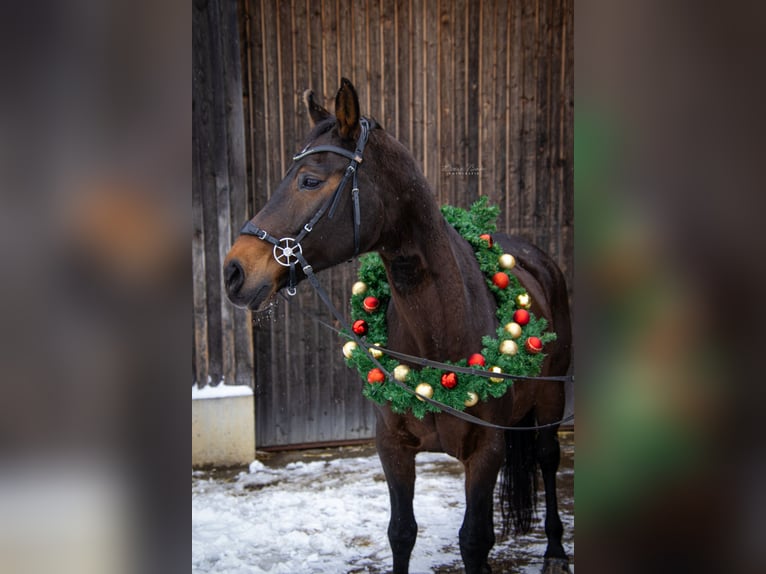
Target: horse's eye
[(309, 182)]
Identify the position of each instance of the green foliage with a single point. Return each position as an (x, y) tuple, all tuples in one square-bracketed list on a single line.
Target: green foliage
[(471, 224)]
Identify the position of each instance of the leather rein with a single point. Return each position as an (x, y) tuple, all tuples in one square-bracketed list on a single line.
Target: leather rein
[(287, 251)]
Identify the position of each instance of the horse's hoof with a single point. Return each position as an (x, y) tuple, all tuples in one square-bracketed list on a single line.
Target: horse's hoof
[(556, 566)]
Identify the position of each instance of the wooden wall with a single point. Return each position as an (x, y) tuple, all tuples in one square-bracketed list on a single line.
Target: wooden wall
[(480, 92), (222, 338)]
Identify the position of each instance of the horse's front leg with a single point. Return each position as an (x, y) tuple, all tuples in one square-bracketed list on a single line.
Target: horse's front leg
[(477, 534), (398, 463)]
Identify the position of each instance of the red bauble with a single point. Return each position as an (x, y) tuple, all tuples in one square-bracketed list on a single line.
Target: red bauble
[(370, 304), (375, 376), (476, 360), (501, 280), (521, 316), (533, 345), (449, 380), (360, 327), (486, 237)]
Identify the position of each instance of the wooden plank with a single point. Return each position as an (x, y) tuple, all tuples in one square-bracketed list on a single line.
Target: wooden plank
[(314, 40), (460, 96), (403, 30), (513, 178), (431, 94), (199, 292), (528, 114), (329, 48), (370, 94), (473, 96), (417, 85), (445, 104), (487, 158), (499, 114), (239, 370), (389, 63), (542, 199), (567, 146), (358, 70)]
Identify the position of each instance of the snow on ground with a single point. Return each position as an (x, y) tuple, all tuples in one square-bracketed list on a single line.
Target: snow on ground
[(220, 391), (331, 515)]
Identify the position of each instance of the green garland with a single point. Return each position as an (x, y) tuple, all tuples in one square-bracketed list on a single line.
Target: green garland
[(471, 224)]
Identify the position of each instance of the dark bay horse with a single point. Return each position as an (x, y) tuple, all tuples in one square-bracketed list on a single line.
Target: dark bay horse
[(440, 309)]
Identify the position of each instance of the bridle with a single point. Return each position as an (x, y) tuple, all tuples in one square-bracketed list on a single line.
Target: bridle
[(287, 252)]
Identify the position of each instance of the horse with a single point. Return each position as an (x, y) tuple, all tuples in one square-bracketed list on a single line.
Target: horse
[(440, 308)]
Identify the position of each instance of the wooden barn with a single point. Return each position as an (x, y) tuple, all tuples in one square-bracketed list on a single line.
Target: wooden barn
[(480, 92)]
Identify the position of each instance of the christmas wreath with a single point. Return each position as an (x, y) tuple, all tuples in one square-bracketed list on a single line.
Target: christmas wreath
[(517, 349)]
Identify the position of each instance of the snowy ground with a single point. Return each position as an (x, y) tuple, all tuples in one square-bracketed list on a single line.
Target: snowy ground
[(327, 512)]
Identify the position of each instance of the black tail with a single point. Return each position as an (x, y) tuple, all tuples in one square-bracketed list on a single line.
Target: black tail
[(518, 483)]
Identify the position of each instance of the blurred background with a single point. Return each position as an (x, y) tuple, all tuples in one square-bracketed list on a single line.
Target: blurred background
[(96, 287), (94, 202)]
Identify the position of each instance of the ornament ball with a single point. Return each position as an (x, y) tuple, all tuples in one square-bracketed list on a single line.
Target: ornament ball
[(521, 316), (533, 345), (401, 372), (524, 300), (476, 360), (424, 390), (506, 261), (509, 347), (486, 237), (496, 370), (449, 380), (375, 376), (472, 399), (375, 352), (359, 288), (500, 279), (348, 349), (370, 304), (359, 327), (513, 329)]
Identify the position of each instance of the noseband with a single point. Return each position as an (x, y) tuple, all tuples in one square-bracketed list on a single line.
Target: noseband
[(288, 251)]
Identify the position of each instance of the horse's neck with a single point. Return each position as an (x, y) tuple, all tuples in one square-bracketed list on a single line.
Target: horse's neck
[(441, 306)]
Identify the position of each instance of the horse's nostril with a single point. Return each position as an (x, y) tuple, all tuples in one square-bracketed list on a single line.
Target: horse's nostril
[(233, 276)]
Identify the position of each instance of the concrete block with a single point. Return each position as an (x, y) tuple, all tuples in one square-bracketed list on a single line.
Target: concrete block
[(223, 426)]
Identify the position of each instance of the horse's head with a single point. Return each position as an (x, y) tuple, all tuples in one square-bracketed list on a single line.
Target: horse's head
[(313, 204)]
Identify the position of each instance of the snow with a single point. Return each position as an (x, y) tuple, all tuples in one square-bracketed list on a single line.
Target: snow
[(220, 391), (331, 516)]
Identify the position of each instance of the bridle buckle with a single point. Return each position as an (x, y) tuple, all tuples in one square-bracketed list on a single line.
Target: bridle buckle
[(285, 251)]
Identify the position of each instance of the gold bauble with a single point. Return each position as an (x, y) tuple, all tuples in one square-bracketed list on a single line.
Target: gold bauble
[(375, 352), (506, 261), (524, 300), (348, 349), (359, 288), (496, 379), (509, 347), (472, 399), (401, 372), (424, 390), (513, 329)]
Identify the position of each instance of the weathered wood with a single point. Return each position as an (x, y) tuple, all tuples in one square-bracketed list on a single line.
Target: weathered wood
[(485, 85), (222, 345)]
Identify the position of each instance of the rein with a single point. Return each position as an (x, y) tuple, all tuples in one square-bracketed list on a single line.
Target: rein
[(288, 251)]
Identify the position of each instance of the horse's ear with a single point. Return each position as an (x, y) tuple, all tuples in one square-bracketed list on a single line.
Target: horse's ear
[(347, 110), (316, 112)]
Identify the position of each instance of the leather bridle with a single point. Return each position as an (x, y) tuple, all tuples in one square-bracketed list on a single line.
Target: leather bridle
[(288, 251)]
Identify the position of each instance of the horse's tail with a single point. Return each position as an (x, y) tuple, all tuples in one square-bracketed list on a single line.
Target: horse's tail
[(518, 481)]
